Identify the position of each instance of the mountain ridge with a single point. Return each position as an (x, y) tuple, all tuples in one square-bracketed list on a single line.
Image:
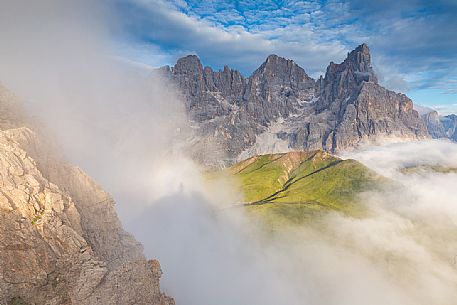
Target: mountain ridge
[(279, 101), (441, 127), (296, 186)]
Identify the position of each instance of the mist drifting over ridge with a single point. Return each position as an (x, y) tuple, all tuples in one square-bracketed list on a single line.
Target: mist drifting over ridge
[(392, 256), (126, 131)]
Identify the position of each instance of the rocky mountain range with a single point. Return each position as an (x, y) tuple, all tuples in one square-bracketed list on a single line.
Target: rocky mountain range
[(441, 126), (279, 107), (61, 242)]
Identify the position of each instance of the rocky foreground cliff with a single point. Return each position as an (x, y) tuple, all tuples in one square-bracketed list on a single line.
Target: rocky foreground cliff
[(61, 242), (280, 107)]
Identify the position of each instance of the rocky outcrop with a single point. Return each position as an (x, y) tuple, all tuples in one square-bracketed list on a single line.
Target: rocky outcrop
[(60, 239), (377, 112), (434, 126), (277, 89), (450, 126), (342, 82), (362, 109), (335, 112), (229, 110), (441, 126)]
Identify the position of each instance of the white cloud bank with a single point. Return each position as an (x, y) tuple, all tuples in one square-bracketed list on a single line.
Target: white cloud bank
[(403, 252)]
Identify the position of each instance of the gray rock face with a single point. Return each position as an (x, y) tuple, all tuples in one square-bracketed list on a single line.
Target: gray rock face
[(450, 126), (342, 82), (434, 126), (61, 242), (441, 126), (277, 89), (230, 110), (335, 112), (358, 108), (376, 112)]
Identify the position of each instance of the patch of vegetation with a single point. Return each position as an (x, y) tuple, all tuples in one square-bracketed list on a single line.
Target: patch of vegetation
[(17, 301), (38, 217), (294, 187)]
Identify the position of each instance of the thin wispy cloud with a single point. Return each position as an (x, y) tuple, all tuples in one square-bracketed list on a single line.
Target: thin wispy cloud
[(236, 35), (413, 42)]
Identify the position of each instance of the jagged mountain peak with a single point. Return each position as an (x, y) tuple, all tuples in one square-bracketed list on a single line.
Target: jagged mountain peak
[(189, 63), (342, 82), (360, 60), (191, 58), (273, 58), (335, 112), (362, 48), (275, 65), (360, 55), (357, 65)]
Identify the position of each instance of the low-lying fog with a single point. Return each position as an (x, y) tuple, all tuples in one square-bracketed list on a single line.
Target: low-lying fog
[(404, 252), (124, 130)]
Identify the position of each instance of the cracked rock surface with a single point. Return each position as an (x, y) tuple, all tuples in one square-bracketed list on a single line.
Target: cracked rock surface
[(60, 239)]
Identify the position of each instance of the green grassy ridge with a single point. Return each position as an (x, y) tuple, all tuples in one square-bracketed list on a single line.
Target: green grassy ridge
[(293, 187), (298, 177), (264, 175)]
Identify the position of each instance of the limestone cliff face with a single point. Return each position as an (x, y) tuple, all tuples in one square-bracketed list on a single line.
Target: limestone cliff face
[(60, 239), (229, 110), (450, 126), (277, 89), (376, 112), (360, 108), (280, 102), (441, 126), (342, 82)]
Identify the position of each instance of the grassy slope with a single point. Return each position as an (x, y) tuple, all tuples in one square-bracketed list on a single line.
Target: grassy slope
[(291, 187)]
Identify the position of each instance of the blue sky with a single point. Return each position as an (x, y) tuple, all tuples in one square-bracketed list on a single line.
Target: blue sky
[(413, 42)]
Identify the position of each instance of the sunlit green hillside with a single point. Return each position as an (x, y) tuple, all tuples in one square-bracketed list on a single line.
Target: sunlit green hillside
[(291, 187)]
